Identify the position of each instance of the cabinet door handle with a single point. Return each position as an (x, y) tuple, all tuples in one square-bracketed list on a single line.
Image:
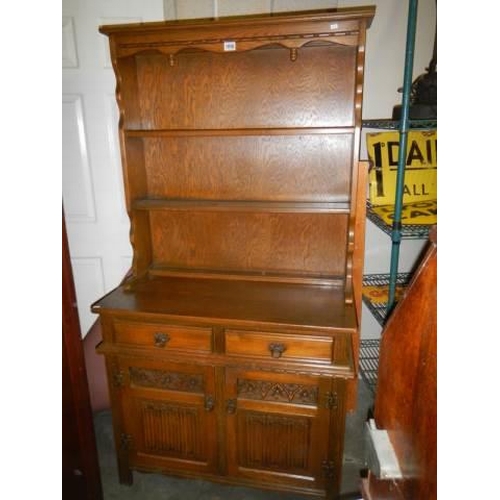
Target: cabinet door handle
[(231, 406), (277, 349), (209, 403), (161, 339)]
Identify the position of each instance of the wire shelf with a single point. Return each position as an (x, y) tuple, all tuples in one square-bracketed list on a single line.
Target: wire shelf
[(408, 231), (376, 300), (394, 124), (369, 351)]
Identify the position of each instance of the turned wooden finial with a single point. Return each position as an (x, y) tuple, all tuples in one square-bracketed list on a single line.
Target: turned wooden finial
[(293, 54)]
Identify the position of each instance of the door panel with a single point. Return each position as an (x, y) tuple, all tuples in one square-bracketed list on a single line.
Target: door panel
[(169, 414), (278, 427)]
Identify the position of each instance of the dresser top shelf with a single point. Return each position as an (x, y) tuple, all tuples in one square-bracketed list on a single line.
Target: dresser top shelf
[(278, 21), (222, 300)]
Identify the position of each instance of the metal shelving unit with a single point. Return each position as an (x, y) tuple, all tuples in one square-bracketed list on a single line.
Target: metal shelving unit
[(368, 361), (383, 124), (392, 285), (407, 231), (378, 285)]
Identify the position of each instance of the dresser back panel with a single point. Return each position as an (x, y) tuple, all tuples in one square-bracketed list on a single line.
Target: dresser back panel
[(272, 168), (258, 88), (294, 243)]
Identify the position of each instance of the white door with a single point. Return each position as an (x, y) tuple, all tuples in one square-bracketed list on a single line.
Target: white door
[(96, 219)]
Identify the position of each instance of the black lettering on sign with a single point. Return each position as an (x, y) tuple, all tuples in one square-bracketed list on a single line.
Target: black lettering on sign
[(379, 178), (392, 153), (415, 156), (413, 214), (423, 204), (414, 190), (417, 213), (414, 153)]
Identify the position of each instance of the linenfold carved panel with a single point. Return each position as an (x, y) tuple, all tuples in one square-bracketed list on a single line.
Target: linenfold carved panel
[(262, 432), (161, 427)]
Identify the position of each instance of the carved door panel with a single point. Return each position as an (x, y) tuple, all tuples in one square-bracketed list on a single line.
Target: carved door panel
[(169, 415), (278, 427)]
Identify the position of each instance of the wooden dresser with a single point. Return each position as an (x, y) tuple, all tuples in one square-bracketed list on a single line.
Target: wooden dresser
[(232, 348)]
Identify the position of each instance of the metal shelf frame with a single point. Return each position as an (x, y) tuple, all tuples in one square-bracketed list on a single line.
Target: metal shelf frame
[(369, 348), (384, 124), (379, 308), (399, 231), (407, 231)]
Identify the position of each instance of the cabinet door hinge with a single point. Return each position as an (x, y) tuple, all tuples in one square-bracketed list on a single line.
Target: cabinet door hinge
[(328, 468), (331, 400), (125, 441), (118, 379)]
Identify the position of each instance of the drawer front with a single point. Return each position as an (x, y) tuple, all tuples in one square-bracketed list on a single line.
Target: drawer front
[(163, 336), (276, 346)]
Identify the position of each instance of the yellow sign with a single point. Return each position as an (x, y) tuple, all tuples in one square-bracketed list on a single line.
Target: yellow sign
[(378, 295), (420, 172), (420, 212)]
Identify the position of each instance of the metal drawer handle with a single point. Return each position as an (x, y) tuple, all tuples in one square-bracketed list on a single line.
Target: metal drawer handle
[(161, 339), (277, 349)]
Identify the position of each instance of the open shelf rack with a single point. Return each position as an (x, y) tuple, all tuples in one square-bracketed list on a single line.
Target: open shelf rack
[(408, 231), (369, 351), (378, 304), (391, 285), (385, 124)]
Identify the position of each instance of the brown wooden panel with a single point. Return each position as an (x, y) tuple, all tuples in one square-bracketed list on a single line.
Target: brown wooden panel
[(280, 242), (291, 167), (219, 300), (289, 347), (276, 431), (163, 336), (260, 88), (81, 479), (170, 414), (406, 399)]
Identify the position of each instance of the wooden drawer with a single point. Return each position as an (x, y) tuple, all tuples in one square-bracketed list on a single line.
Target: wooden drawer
[(163, 336), (280, 346)]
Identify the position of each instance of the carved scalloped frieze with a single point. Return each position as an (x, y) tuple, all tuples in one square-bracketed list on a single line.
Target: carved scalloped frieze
[(238, 44), (274, 391), (159, 379)]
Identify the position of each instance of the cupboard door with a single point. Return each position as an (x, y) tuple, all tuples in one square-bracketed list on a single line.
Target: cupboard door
[(169, 415), (279, 429)]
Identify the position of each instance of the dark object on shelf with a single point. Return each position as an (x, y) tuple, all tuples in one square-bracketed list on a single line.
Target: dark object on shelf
[(423, 94)]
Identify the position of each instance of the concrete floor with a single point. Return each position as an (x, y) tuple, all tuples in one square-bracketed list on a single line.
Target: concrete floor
[(156, 486)]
